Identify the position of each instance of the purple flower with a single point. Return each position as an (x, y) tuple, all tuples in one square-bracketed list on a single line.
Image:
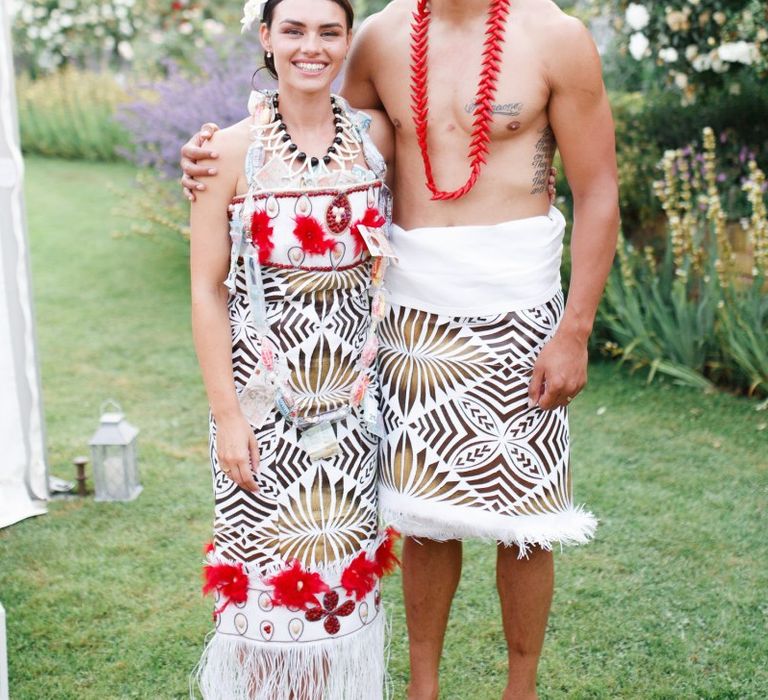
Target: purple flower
[(166, 112)]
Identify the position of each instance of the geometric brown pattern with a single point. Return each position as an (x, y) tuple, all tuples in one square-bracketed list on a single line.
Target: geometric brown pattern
[(464, 455), (317, 512)]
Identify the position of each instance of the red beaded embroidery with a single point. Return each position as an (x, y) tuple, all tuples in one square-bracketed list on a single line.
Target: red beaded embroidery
[(486, 92), (338, 214)]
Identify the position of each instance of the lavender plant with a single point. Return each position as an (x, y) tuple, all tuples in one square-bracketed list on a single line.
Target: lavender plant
[(164, 113)]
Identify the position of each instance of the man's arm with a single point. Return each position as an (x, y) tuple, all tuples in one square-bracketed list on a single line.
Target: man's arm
[(358, 86), (580, 117)]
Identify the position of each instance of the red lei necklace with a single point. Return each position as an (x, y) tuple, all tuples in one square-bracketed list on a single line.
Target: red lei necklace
[(486, 92)]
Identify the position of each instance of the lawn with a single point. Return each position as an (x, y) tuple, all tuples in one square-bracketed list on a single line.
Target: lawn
[(103, 600)]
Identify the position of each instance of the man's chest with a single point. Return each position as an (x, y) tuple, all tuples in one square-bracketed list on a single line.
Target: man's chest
[(455, 69)]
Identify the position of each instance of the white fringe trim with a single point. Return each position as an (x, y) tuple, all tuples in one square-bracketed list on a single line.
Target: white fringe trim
[(349, 668), (415, 517)]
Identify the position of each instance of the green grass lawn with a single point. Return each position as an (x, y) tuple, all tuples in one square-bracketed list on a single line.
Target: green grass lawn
[(103, 600)]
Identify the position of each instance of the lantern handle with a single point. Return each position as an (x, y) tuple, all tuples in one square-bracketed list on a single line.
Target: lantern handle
[(110, 402)]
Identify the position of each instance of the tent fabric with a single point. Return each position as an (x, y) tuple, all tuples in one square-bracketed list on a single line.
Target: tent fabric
[(23, 472)]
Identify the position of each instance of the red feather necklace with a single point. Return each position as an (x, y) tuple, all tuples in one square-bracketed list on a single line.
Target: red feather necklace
[(486, 92)]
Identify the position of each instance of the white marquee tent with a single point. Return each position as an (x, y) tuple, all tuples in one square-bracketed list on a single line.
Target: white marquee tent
[(23, 473)]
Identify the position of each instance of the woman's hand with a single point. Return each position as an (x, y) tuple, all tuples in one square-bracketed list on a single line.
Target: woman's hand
[(552, 185), (238, 451)]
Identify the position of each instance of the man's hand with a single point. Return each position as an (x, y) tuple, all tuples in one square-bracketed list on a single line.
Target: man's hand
[(191, 152), (560, 372)]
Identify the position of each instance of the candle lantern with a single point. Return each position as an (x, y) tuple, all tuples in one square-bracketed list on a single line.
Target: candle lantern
[(114, 456)]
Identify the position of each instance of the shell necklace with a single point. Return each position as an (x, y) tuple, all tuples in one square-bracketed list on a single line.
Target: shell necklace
[(486, 92), (275, 138)]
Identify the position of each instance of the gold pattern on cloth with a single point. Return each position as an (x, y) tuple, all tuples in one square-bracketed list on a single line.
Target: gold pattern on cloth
[(464, 454)]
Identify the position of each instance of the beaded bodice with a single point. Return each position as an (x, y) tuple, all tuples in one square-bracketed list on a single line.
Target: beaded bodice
[(312, 219)]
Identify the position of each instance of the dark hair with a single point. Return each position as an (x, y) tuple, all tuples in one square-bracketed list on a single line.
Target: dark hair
[(269, 11)]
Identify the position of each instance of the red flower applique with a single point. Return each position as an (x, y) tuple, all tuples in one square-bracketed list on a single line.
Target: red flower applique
[(360, 576), (230, 580), (312, 237), (261, 235), (371, 219), (296, 588), (386, 559), (331, 611)]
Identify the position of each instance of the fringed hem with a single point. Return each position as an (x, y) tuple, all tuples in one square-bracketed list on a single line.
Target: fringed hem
[(418, 518), (350, 668)]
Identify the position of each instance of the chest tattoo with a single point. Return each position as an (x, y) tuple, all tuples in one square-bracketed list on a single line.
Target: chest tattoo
[(509, 109), (544, 152)]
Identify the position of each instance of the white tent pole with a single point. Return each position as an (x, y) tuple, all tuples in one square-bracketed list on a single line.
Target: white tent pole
[(23, 471)]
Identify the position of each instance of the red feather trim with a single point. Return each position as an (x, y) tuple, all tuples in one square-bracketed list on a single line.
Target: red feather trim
[(208, 548), (371, 219), (230, 580), (261, 235), (295, 587), (385, 557), (360, 576), (312, 237)]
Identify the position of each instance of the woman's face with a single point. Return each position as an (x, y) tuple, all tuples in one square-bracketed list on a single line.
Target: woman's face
[(309, 40)]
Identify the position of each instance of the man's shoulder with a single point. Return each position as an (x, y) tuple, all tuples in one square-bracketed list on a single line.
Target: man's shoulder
[(392, 16), (549, 23), (563, 40)]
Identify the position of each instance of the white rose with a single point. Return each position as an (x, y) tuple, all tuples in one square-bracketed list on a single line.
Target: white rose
[(668, 54), (691, 51), (186, 28), (638, 45), (125, 50), (718, 65), (637, 16), (212, 28), (737, 52), (702, 62), (681, 80), (252, 13)]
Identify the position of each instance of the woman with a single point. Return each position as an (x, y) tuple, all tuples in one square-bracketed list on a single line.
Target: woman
[(286, 299)]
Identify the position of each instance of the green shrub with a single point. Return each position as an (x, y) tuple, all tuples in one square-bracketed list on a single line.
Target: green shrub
[(69, 114), (647, 123), (695, 314)]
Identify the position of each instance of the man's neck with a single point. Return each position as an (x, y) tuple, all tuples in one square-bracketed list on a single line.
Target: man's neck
[(459, 10)]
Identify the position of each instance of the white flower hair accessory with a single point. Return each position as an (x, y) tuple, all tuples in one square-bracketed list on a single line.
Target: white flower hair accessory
[(252, 13)]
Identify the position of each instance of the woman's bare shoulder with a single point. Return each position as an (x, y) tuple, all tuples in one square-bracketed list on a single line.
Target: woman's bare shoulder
[(231, 144)]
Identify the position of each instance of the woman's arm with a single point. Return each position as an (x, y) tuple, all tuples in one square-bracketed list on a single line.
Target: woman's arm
[(209, 258)]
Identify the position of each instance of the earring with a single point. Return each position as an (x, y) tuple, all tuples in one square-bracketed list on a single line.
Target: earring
[(269, 54)]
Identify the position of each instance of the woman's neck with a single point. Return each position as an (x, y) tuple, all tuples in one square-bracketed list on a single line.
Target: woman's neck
[(305, 112)]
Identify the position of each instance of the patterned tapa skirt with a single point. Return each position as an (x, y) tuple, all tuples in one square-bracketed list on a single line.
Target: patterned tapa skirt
[(464, 455), (321, 514)]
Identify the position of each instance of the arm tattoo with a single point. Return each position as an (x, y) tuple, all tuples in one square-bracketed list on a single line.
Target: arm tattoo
[(542, 160), (509, 109)]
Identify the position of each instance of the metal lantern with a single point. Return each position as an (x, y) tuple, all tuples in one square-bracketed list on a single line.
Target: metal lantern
[(114, 457)]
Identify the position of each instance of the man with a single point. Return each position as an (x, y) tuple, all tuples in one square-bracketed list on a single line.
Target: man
[(479, 357)]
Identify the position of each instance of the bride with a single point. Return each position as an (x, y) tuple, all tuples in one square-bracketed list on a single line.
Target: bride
[(286, 298)]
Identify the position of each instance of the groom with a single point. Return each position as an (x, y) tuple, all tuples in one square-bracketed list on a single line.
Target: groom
[(480, 355)]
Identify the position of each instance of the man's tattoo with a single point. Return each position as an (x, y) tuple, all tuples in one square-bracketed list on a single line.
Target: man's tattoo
[(510, 109), (542, 160)]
